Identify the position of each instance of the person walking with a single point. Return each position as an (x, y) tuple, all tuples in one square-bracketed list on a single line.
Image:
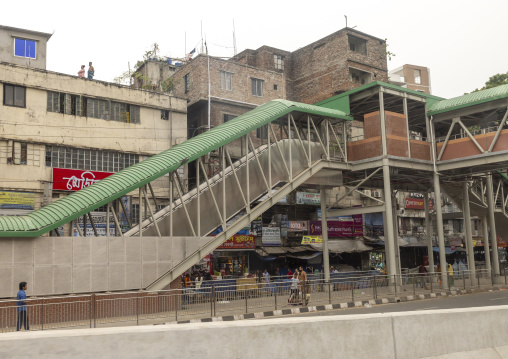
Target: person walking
[(21, 307), (266, 276), (81, 72), (294, 289), (302, 283), (451, 281), (91, 71), (422, 273)]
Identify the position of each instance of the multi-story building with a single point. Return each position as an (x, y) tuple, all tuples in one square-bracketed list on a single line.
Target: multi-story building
[(412, 77), (60, 133)]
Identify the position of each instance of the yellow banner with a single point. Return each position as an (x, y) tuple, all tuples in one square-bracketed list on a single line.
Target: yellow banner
[(312, 239), (17, 200)]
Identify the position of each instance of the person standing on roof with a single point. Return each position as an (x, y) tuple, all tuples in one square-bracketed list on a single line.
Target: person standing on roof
[(91, 71)]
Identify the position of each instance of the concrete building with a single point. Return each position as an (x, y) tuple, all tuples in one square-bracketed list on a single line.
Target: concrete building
[(23, 47), (412, 77), (51, 121)]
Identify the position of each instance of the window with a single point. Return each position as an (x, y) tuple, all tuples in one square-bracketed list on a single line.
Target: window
[(357, 45), (262, 132), (359, 77), (90, 160), (228, 117), (226, 81), (275, 87), (418, 77), (164, 114), (18, 155), (279, 62), (24, 48), (64, 103), (186, 82), (97, 108), (14, 96), (257, 87)]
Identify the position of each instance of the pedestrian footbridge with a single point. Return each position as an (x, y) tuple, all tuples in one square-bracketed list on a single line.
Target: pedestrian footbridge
[(406, 140)]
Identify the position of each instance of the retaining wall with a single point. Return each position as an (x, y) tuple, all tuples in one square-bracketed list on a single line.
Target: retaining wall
[(453, 333)]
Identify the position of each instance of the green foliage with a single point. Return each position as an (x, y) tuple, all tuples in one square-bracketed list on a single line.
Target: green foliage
[(166, 85), (494, 81), (388, 53)]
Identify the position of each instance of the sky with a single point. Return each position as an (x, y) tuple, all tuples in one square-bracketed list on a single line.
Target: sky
[(463, 43)]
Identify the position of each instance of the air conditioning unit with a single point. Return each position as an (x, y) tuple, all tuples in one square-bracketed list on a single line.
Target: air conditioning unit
[(367, 192), (376, 194)]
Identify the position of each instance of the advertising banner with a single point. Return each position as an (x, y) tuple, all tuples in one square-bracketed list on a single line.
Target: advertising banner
[(271, 236), (239, 242), (417, 203), (17, 200), (298, 226), (308, 198), (312, 239), (343, 228), (74, 180)]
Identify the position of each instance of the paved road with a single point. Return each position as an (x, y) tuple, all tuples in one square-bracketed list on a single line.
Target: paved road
[(461, 301)]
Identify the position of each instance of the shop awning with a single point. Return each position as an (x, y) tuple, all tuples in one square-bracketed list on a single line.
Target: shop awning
[(402, 242), (343, 246), (297, 249), (305, 256), (274, 250)]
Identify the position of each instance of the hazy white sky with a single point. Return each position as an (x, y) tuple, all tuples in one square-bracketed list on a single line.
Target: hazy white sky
[(462, 42)]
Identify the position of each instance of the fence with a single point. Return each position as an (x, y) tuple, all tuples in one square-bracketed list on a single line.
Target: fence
[(217, 298)]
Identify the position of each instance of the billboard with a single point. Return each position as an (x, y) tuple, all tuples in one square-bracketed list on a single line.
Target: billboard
[(73, 180)]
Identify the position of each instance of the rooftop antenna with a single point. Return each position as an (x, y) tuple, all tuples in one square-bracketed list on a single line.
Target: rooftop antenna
[(346, 19), (234, 37)]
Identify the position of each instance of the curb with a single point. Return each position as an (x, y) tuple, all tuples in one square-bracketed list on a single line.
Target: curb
[(325, 307)]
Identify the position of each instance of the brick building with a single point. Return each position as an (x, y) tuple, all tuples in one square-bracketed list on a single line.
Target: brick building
[(334, 64), (412, 77)]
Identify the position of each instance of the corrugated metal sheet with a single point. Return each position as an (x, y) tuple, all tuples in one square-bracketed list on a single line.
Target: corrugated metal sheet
[(471, 99), (129, 179)]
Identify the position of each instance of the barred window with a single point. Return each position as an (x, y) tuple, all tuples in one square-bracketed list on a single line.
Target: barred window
[(90, 160), (226, 81)]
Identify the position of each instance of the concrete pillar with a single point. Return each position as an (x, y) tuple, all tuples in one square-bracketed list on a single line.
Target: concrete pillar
[(492, 225), (428, 225), (440, 232), (324, 232), (469, 233), (389, 232), (486, 243)]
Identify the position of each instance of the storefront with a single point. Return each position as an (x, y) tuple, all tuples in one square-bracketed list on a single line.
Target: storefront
[(232, 258)]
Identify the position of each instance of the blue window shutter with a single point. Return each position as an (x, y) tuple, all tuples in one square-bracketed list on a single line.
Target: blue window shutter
[(19, 47), (30, 49)]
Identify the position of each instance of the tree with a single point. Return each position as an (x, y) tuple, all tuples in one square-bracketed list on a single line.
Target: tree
[(494, 81), (166, 85)]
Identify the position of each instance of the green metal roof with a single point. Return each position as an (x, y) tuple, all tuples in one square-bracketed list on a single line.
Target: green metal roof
[(341, 101), (81, 202), (468, 100)]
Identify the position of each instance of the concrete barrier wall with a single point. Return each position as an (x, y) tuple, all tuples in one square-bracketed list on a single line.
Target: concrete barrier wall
[(472, 332)]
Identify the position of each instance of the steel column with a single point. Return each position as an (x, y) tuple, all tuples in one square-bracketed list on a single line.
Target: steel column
[(428, 225), (486, 243), (324, 231), (440, 231), (469, 235), (492, 225), (407, 125), (389, 230), (383, 124)]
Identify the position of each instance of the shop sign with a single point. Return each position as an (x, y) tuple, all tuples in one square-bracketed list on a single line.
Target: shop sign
[(73, 180), (308, 198), (312, 239), (257, 227), (239, 242), (271, 236), (284, 224), (298, 226), (338, 228), (417, 203), (17, 200)]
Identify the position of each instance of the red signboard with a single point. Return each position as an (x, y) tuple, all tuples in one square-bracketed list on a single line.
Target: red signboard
[(342, 228), (417, 203), (74, 180), (239, 242)]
